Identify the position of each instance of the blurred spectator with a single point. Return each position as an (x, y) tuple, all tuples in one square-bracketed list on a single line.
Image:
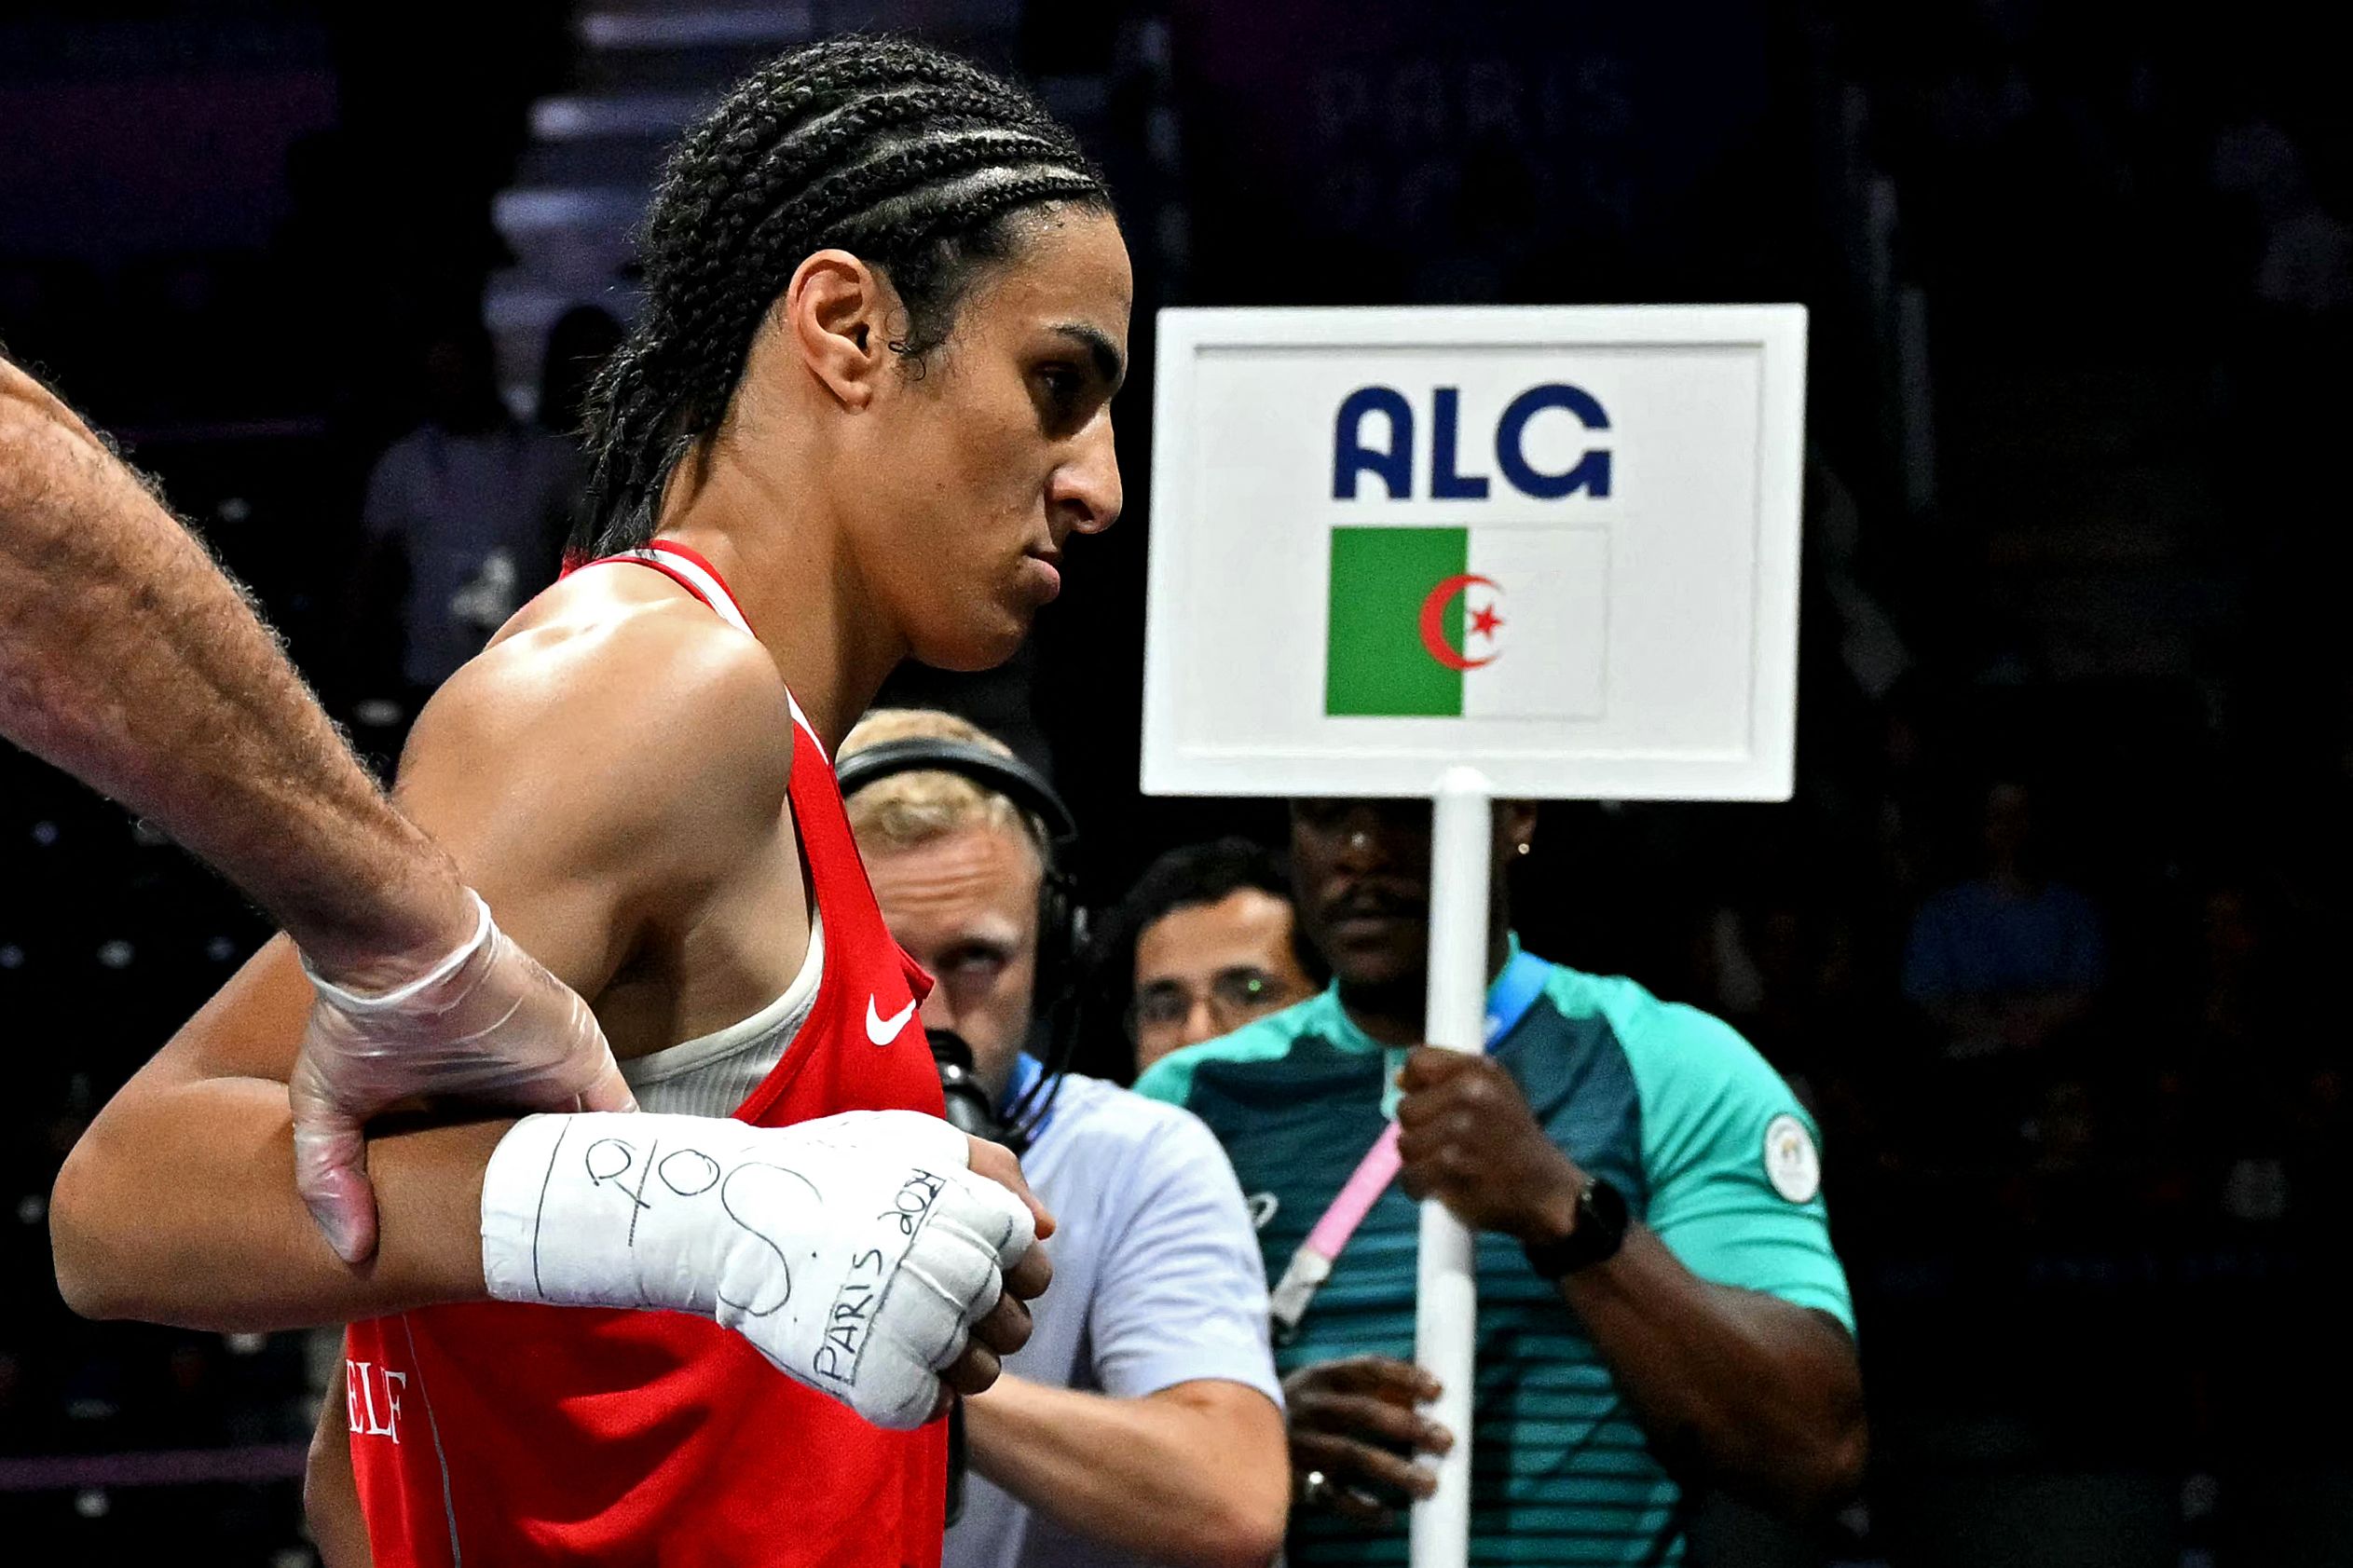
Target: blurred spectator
[(2259, 1069), (2010, 957), (2308, 263), (1206, 941), (1782, 971), (1900, 784), (472, 503), (578, 346), (2255, 160)]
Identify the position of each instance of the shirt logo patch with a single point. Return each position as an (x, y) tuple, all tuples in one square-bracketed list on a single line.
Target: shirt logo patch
[(1792, 1164), (881, 1031)]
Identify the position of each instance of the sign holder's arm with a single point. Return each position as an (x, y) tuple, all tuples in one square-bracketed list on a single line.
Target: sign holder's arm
[(1445, 1322)]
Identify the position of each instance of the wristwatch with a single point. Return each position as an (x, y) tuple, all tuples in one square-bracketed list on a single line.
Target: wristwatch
[(1599, 1232)]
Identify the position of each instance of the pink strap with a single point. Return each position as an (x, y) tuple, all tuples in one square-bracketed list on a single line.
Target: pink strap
[(1374, 1173)]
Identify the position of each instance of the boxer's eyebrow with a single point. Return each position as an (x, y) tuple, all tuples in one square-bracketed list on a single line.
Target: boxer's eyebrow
[(1110, 366)]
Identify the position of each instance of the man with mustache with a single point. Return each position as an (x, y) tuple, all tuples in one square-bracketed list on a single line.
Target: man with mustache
[(1659, 1303)]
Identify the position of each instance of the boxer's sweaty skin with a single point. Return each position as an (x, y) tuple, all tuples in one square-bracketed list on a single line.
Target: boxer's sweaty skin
[(610, 776)]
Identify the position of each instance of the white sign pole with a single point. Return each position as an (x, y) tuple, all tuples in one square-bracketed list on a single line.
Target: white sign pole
[(1445, 1322)]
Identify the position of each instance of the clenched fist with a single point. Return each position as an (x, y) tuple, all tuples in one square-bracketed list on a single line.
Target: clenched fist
[(879, 1257)]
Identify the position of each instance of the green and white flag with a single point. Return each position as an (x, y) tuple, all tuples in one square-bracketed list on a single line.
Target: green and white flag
[(1491, 622)]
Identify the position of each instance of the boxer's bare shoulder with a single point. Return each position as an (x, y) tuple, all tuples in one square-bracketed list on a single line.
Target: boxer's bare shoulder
[(617, 730)]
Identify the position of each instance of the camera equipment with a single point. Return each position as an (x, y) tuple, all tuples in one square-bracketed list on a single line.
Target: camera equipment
[(968, 1111), (968, 1108)]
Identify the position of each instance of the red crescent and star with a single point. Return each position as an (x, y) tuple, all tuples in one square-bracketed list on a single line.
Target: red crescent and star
[(1484, 620)]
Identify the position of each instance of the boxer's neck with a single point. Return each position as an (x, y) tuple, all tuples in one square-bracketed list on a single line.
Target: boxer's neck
[(802, 593)]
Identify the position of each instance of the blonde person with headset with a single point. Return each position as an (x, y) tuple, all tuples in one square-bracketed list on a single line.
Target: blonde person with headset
[(1142, 1423)]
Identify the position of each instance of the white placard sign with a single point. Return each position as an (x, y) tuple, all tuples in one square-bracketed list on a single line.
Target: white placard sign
[(1559, 543)]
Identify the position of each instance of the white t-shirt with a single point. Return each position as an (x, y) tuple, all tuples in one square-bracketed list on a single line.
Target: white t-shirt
[(1158, 1281)]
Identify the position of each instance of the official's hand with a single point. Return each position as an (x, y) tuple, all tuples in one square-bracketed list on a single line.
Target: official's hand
[(486, 1023), (1468, 1139), (1352, 1424), (1007, 1326)]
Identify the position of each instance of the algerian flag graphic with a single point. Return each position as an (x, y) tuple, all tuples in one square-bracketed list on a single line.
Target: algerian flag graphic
[(1495, 622)]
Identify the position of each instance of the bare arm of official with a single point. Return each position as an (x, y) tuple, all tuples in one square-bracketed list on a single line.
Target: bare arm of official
[(1194, 1474), (1758, 1395), (127, 659), (588, 811)]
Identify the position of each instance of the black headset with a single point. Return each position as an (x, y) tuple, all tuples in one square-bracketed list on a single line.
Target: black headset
[(1061, 919)]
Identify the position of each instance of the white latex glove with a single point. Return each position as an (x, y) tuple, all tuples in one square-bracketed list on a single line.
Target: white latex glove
[(485, 1024), (855, 1251)]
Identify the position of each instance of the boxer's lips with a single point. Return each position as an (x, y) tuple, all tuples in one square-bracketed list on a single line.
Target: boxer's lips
[(1041, 572)]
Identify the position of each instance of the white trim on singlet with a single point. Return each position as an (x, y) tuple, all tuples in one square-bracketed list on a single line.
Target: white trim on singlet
[(721, 599), (714, 1074), (806, 728), (441, 1457), (715, 593)]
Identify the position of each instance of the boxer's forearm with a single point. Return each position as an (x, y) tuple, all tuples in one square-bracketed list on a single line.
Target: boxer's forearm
[(129, 660), (179, 1206), (1197, 1474)]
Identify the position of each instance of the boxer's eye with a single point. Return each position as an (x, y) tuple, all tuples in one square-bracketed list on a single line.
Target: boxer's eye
[(1062, 397)]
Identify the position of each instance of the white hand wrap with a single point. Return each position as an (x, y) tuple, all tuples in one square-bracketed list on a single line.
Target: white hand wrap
[(856, 1252)]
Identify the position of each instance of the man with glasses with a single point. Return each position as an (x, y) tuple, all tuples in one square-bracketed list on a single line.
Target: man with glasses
[(1205, 942)]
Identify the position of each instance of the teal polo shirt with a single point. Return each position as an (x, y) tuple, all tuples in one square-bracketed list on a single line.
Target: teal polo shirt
[(1714, 1154)]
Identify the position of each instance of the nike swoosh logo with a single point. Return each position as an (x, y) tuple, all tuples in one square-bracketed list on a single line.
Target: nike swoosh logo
[(881, 1031)]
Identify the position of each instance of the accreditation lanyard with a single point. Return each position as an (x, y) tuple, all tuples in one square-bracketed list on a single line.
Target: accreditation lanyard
[(1509, 999)]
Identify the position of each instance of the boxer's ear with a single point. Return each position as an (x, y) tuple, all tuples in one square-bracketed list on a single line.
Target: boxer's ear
[(835, 317)]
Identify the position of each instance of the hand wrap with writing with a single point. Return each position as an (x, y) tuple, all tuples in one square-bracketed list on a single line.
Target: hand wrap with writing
[(855, 1251)]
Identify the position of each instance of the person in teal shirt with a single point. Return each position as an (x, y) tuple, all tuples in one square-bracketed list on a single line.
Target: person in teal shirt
[(1659, 1303)]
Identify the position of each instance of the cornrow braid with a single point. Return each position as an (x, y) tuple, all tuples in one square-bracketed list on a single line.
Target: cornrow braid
[(909, 156)]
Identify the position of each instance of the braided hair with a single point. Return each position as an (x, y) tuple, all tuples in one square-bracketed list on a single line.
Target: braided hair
[(912, 158)]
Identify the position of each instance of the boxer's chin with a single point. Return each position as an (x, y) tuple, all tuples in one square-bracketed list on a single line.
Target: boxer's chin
[(976, 645)]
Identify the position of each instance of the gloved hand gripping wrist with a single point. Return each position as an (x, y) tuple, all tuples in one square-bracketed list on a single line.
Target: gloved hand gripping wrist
[(485, 1023), (856, 1252)]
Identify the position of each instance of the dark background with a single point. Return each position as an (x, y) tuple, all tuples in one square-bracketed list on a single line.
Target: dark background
[(2080, 282)]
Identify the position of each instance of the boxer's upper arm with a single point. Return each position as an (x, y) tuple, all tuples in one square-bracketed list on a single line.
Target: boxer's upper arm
[(578, 807), (600, 793)]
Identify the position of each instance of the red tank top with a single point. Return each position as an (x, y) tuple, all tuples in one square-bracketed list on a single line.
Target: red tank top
[(503, 1433)]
